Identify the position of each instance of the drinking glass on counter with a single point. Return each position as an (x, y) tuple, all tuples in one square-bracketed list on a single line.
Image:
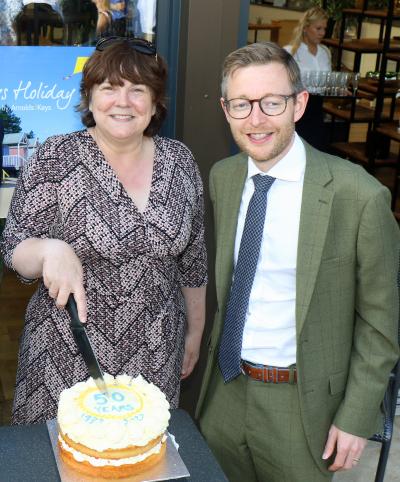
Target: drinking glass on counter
[(330, 83), (343, 81), (355, 78)]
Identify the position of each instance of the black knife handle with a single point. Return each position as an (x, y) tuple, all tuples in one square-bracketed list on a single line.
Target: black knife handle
[(73, 312)]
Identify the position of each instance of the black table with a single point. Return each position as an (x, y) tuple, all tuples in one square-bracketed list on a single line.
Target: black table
[(26, 454)]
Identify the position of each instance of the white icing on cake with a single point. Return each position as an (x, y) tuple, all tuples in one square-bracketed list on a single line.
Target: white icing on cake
[(96, 462), (134, 413)]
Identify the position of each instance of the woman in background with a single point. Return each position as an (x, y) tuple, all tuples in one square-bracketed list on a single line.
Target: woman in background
[(311, 56), (306, 46)]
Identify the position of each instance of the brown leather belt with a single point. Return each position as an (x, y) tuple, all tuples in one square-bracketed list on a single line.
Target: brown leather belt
[(268, 374)]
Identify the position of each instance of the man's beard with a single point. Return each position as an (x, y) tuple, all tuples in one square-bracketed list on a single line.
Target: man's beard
[(283, 138)]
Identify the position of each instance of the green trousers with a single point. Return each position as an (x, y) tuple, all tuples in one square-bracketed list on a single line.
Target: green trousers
[(255, 431)]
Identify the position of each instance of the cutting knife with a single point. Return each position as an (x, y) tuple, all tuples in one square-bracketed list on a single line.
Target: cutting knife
[(83, 343)]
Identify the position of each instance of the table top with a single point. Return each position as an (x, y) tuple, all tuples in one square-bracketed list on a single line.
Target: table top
[(26, 453)]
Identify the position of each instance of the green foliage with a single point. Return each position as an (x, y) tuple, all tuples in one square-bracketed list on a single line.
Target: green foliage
[(334, 7), (377, 4), (12, 123)]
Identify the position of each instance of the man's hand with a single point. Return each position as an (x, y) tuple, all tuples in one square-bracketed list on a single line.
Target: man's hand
[(348, 449)]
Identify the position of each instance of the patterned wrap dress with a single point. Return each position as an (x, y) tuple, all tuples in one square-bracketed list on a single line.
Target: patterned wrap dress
[(134, 265)]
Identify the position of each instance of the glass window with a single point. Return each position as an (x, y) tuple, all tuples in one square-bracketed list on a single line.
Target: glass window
[(74, 22)]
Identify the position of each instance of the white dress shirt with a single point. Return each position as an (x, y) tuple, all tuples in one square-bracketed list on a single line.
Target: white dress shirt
[(269, 335), (307, 61)]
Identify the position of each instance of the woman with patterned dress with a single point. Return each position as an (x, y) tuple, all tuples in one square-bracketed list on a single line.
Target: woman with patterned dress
[(114, 215)]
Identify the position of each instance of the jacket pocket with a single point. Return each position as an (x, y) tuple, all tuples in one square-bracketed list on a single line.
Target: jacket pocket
[(337, 261), (337, 383)]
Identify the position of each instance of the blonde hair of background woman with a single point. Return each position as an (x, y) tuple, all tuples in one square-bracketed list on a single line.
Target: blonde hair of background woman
[(310, 16)]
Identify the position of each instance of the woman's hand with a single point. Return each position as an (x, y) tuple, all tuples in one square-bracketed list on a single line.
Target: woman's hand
[(195, 303), (63, 274), (57, 263), (192, 351)]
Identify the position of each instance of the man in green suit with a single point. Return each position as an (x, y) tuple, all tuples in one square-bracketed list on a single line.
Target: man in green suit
[(298, 362)]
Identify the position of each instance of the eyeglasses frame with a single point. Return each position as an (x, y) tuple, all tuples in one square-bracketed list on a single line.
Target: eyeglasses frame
[(140, 45), (251, 101)]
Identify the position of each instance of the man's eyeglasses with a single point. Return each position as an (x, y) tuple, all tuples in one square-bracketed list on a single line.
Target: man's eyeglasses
[(138, 44), (270, 105)]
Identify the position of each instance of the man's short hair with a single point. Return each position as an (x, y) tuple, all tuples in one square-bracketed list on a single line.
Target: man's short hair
[(261, 53)]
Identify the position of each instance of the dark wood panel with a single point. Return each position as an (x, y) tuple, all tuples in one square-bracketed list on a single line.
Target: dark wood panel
[(364, 46), (343, 111), (391, 130), (14, 297)]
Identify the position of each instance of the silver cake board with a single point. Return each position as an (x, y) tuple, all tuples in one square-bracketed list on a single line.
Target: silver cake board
[(171, 467)]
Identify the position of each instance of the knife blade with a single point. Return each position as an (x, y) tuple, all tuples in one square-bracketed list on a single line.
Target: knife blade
[(84, 346)]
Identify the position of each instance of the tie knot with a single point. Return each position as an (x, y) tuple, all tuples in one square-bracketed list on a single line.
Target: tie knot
[(262, 183)]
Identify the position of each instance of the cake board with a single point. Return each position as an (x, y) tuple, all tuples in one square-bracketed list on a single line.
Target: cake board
[(171, 467)]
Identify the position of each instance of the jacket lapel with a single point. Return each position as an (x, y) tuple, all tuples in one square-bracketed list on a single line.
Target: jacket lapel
[(232, 188), (314, 220)]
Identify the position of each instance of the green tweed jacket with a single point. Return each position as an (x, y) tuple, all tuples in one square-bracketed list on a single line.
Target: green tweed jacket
[(346, 291)]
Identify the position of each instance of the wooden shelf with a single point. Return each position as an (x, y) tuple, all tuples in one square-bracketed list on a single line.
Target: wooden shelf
[(390, 130), (353, 11), (364, 46), (371, 13), (343, 111), (395, 57), (391, 87), (356, 152), (381, 14), (353, 150)]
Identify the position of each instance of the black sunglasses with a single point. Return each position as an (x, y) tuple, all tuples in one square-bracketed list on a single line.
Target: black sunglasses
[(138, 44)]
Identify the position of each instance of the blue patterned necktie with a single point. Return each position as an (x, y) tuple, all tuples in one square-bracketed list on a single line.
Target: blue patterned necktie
[(229, 355)]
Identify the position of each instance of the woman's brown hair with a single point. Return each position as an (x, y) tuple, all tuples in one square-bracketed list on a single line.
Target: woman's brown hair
[(120, 61)]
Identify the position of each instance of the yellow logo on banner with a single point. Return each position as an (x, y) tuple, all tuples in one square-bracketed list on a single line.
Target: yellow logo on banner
[(79, 64)]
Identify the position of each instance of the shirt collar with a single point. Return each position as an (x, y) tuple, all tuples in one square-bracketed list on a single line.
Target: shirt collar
[(290, 168)]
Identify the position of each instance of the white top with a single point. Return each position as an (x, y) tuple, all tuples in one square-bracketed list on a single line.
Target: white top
[(147, 9), (269, 335), (307, 61), (52, 3)]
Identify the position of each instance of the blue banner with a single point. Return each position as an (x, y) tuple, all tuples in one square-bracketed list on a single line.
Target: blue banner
[(41, 87)]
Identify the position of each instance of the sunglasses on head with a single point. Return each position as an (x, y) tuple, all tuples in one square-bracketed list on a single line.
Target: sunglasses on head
[(140, 45)]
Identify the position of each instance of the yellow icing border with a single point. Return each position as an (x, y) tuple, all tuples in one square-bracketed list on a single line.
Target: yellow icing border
[(127, 388)]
